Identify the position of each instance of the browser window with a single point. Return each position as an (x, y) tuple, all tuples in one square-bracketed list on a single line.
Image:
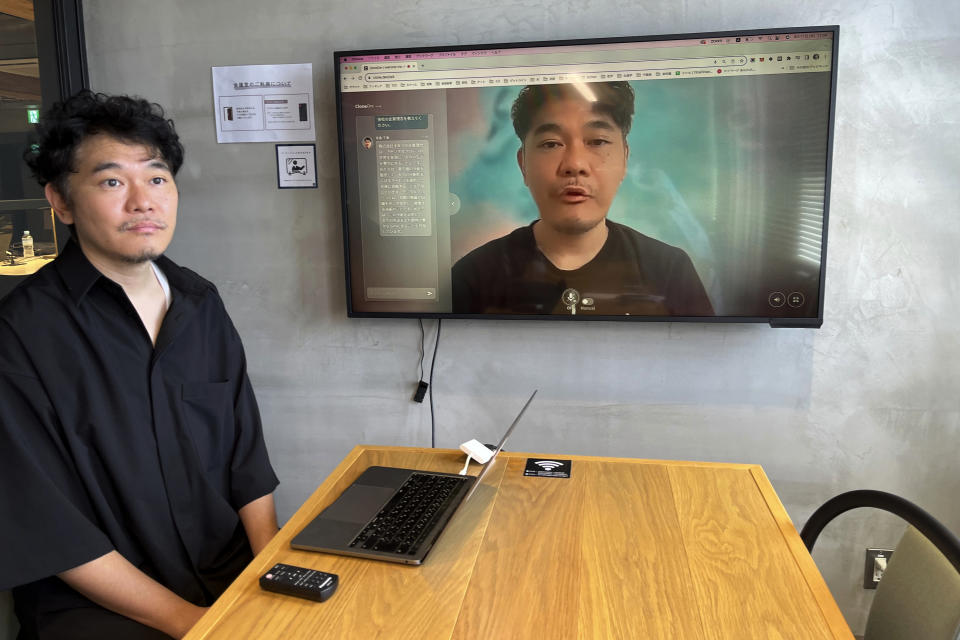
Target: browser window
[(727, 161)]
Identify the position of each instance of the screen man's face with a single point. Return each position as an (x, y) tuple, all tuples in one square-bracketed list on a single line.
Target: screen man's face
[(573, 160)]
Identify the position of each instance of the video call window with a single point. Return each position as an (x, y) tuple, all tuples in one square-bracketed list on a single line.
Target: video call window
[(660, 179)]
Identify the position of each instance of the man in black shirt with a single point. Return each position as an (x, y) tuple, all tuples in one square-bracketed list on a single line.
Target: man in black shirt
[(573, 157), (136, 483)]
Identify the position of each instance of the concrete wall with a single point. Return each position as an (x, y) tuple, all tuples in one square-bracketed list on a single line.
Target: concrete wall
[(869, 400)]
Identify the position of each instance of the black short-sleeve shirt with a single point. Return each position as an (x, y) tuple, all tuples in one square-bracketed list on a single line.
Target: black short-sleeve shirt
[(631, 275), (108, 441)]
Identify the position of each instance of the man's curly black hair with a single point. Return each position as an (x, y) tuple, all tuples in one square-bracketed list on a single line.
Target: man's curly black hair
[(67, 124), (614, 99)]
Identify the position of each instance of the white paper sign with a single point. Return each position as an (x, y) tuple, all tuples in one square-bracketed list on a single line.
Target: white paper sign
[(264, 103)]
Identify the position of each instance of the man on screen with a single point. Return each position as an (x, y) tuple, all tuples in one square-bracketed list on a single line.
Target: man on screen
[(573, 157)]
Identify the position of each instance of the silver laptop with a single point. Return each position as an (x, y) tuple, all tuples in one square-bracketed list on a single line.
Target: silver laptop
[(393, 514)]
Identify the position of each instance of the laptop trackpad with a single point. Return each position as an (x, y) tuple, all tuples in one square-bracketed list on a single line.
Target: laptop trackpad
[(358, 503)]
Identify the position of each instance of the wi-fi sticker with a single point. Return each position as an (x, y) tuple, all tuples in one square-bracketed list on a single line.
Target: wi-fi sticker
[(547, 468), (549, 465)]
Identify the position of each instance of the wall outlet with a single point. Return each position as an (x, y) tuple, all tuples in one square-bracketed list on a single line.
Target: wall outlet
[(874, 565)]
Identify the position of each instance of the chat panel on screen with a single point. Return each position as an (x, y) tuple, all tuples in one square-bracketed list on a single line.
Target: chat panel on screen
[(397, 201)]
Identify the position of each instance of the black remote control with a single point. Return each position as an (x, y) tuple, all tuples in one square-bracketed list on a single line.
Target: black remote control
[(298, 581)]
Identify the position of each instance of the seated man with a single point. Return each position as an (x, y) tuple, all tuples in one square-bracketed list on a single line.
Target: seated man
[(136, 483), (573, 157)]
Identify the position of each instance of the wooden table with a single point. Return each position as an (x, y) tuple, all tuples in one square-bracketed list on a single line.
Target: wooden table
[(624, 548)]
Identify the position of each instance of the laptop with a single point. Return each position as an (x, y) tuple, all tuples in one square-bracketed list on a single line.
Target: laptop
[(394, 514)]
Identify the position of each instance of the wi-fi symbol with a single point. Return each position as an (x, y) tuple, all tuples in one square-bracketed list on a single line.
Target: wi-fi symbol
[(548, 465)]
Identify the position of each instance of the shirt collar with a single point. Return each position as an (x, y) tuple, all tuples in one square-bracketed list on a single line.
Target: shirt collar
[(76, 271), (79, 275)]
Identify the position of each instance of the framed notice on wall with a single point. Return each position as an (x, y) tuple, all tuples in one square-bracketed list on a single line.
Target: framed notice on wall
[(296, 166)]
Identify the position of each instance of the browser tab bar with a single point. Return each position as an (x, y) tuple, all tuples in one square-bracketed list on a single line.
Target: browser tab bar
[(710, 57)]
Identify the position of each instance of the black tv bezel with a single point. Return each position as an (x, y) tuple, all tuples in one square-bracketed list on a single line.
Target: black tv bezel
[(779, 322)]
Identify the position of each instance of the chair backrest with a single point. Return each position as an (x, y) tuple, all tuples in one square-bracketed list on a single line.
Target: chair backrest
[(918, 597), (8, 621)]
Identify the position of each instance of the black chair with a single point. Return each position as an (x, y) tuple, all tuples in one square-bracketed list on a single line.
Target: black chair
[(918, 597)]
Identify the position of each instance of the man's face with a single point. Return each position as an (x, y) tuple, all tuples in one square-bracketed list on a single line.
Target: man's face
[(122, 199), (573, 160)]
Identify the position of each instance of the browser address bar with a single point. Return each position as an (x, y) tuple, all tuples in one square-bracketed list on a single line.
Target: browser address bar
[(572, 72)]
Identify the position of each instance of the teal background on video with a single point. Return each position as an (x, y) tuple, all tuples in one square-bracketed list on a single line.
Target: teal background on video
[(728, 169)]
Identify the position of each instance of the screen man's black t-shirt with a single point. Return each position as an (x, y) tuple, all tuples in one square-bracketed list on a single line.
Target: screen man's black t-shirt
[(631, 275)]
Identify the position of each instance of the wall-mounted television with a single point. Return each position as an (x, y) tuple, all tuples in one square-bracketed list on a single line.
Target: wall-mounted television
[(679, 178)]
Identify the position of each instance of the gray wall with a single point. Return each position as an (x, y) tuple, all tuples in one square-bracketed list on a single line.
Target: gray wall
[(869, 400)]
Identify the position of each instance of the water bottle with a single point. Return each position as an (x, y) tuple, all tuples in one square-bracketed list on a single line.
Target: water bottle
[(27, 244)]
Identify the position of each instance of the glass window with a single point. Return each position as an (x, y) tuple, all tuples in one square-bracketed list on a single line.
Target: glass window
[(20, 100), (28, 240), (28, 234)]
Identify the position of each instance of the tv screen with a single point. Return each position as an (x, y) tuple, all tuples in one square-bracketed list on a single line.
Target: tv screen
[(678, 178)]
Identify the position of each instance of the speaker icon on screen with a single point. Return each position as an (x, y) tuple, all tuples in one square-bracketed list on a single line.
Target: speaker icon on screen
[(548, 465)]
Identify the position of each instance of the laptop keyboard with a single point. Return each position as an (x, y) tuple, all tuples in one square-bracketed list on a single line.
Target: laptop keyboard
[(402, 524)]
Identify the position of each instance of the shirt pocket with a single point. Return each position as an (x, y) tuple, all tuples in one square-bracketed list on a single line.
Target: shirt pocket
[(208, 412)]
